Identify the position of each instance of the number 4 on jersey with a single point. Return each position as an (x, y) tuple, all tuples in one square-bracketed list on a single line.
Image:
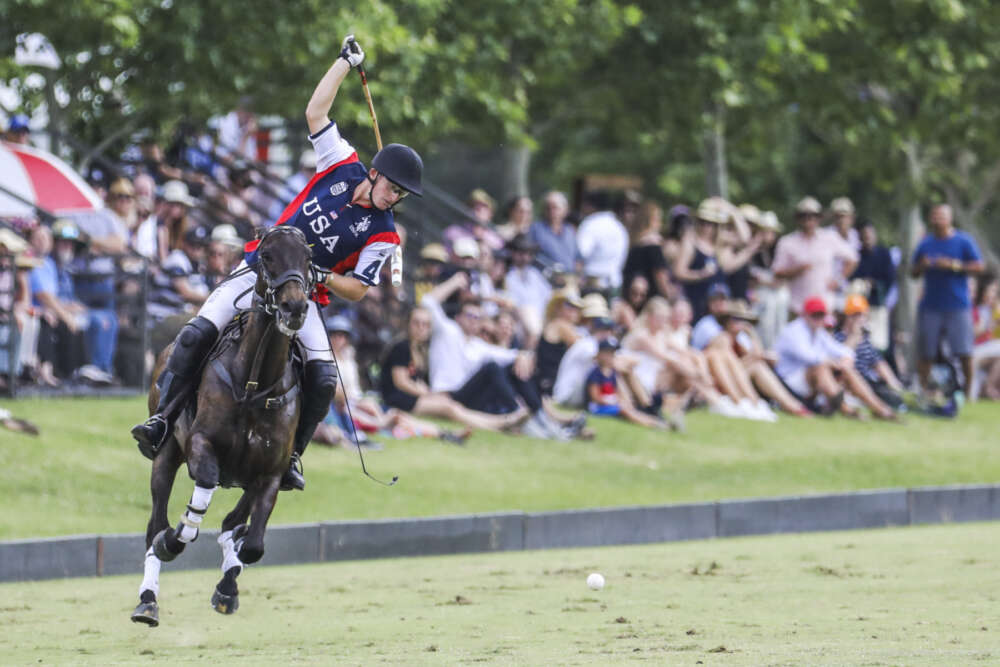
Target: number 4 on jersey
[(371, 271)]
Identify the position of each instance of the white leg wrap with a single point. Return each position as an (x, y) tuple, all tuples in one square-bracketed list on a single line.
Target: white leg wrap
[(150, 573), (195, 512), (229, 557)]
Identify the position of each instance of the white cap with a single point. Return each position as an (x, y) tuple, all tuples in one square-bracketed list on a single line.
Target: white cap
[(465, 247)]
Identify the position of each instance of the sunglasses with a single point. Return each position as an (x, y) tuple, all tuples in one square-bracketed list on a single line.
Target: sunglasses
[(397, 191)]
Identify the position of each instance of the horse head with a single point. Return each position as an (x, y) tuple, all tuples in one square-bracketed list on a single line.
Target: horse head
[(285, 277)]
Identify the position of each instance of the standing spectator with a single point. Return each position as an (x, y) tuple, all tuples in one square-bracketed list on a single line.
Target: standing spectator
[(696, 266), (681, 225), (645, 256), (807, 258), (770, 296), (843, 214), (736, 253), (602, 242), (878, 270), (812, 364), (526, 286), (18, 131), (479, 226), (945, 258), (518, 214), (554, 236), (238, 132)]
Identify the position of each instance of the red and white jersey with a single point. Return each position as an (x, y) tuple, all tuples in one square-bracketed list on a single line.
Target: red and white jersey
[(344, 237)]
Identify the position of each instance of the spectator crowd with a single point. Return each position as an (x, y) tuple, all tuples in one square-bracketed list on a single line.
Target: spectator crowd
[(525, 319)]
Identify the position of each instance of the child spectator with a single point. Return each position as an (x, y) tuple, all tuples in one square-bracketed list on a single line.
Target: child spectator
[(605, 398)]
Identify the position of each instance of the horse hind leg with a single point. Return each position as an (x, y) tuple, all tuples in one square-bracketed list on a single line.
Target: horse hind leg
[(242, 546)]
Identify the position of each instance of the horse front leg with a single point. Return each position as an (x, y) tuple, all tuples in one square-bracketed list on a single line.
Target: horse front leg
[(204, 468), (161, 482), (243, 546)]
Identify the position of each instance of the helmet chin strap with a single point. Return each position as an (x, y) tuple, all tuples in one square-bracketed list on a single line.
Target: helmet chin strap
[(371, 192)]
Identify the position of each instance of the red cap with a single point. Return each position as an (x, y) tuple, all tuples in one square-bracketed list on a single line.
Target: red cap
[(814, 305)]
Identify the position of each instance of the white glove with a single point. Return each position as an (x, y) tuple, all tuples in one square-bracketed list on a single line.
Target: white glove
[(351, 51)]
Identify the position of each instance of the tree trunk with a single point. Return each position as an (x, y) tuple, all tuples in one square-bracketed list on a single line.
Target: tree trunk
[(516, 169), (716, 174), (911, 230)]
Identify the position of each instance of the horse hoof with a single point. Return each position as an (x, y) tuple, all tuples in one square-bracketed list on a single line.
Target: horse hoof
[(225, 604), (160, 549), (148, 613)]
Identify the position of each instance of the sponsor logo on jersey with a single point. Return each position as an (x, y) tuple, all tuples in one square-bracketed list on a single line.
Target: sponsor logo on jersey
[(361, 225), (338, 188)]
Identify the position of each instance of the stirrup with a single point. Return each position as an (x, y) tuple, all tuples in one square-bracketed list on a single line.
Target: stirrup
[(144, 432), (294, 477)]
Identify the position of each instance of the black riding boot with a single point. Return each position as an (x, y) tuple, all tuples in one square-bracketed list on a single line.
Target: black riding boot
[(190, 347), (318, 388)]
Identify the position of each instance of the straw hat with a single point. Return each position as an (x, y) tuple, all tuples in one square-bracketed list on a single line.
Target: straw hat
[(715, 209), (594, 305)]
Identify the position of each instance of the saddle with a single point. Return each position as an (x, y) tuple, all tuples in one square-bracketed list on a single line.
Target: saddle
[(251, 395)]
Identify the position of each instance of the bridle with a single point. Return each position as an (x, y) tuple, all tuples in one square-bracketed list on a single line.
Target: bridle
[(267, 301)]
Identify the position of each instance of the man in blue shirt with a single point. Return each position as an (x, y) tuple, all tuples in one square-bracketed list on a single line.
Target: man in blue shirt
[(945, 258)]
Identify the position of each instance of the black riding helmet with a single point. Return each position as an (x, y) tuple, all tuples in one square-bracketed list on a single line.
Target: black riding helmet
[(401, 165)]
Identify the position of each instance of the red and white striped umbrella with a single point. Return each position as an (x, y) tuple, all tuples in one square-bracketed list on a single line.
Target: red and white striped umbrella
[(42, 179)]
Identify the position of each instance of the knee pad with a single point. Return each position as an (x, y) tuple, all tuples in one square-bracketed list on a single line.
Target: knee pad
[(193, 343), (319, 386)]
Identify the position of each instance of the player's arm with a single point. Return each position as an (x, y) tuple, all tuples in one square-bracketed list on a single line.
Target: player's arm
[(318, 109), (346, 287)]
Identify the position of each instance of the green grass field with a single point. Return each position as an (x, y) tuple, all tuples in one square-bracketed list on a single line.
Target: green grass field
[(912, 596), (85, 475)]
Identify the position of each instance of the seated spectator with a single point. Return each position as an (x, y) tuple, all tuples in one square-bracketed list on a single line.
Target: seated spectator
[(352, 410), (731, 377), (626, 309), (738, 321), (562, 319), (18, 130), (404, 381), (526, 287), (94, 274), (680, 323), (172, 217), (986, 346), (569, 388), (479, 225), (867, 360), (554, 235), (605, 397), (143, 235), (481, 376), (182, 267), (663, 368), (813, 364), (518, 215), (226, 238), (61, 345)]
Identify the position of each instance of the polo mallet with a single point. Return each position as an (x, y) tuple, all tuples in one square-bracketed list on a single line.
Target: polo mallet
[(396, 267)]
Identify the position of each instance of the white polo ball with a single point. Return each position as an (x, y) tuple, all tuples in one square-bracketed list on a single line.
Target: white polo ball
[(595, 581)]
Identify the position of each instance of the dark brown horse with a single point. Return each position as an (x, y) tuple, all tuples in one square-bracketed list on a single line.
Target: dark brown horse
[(241, 433)]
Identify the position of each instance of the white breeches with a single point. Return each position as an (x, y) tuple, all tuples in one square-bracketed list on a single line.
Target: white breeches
[(221, 306)]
